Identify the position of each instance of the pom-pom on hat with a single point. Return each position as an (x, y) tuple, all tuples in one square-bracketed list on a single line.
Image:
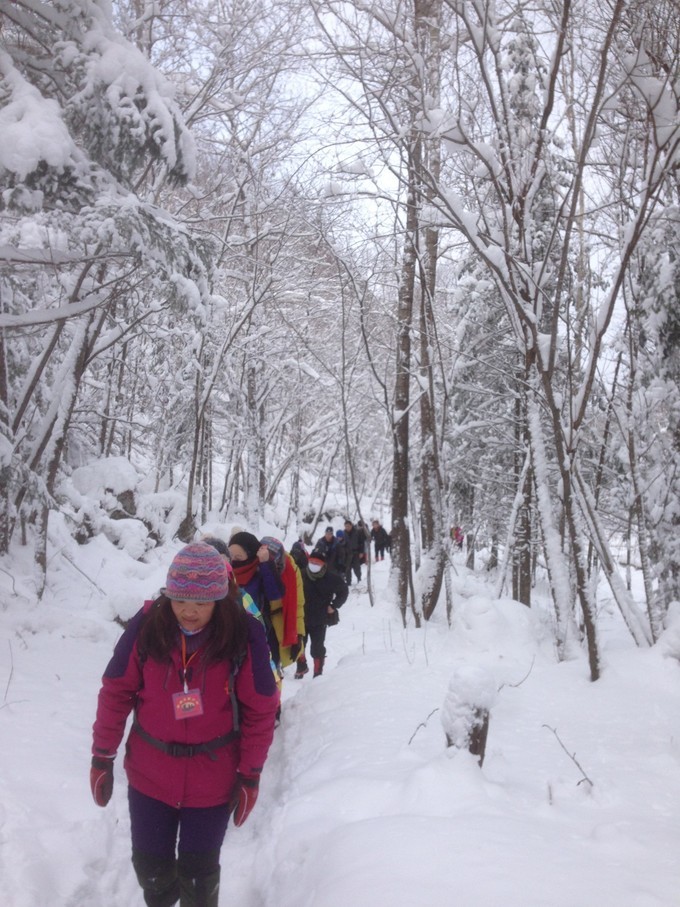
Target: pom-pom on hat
[(246, 540), (197, 574)]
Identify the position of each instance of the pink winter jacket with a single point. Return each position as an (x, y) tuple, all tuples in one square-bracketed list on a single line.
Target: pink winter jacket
[(206, 778)]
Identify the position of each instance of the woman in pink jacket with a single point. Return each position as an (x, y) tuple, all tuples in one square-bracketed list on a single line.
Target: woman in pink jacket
[(194, 668)]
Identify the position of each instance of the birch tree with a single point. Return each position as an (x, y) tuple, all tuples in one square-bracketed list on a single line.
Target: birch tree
[(527, 222)]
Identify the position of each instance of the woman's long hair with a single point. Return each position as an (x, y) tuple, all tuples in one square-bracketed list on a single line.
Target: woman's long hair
[(228, 638)]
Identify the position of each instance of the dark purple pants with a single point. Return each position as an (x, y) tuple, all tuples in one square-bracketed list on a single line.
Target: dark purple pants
[(155, 826)]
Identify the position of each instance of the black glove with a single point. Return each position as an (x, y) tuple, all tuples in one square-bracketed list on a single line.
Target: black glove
[(101, 779), (297, 648)]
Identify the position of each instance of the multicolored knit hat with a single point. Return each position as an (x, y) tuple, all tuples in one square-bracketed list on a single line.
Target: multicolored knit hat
[(197, 574)]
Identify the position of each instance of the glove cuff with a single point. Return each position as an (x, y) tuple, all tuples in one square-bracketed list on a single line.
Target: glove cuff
[(102, 762), (248, 780)]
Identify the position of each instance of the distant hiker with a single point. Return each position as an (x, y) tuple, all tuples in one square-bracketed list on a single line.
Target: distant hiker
[(364, 542), (299, 554), (325, 592), (257, 575), (329, 544), (247, 602), (457, 537), (340, 563), (327, 540), (354, 545), (194, 667), (381, 540), (288, 614)]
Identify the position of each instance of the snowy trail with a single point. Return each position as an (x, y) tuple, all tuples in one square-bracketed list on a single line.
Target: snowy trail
[(361, 804)]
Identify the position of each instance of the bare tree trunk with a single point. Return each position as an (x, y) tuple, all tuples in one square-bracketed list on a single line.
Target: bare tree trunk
[(522, 542), (230, 478), (468, 519), (210, 457), (521, 568), (6, 436), (637, 507), (639, 629), (575, 555), (606, 435), (427, 25), (556, 559), (106, 431), (251, 459), (54, 425), (401, 543), (58, 432)]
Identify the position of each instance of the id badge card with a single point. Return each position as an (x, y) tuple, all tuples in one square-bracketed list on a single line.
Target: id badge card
[(187, 704)]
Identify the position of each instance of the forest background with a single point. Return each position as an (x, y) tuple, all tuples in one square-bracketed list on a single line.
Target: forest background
[(423, 252)]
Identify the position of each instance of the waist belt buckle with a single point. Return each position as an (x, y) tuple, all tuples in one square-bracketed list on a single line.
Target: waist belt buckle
[(178, 750)]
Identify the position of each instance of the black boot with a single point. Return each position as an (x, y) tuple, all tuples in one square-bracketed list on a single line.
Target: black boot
[(301, 667), (158, 879), (199, 879)]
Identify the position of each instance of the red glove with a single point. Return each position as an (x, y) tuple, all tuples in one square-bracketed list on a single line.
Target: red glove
[(101, 779), (244, 797)]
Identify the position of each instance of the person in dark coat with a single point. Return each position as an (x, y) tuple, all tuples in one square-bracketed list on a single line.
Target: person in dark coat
[(381, 540), (256, 574), (364, 541), (194, 667), (354, 545), (340, 550), (299, 554), (328, 543), (325, 592)]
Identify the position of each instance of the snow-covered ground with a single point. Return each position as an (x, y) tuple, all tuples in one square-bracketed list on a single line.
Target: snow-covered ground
[(361, 803)]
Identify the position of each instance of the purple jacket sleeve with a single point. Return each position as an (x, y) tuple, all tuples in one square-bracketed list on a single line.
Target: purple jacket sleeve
[(271, 581), (258, 699)]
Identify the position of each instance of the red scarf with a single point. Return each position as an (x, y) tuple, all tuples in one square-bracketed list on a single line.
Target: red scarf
[(244, 571), (290, 602)]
